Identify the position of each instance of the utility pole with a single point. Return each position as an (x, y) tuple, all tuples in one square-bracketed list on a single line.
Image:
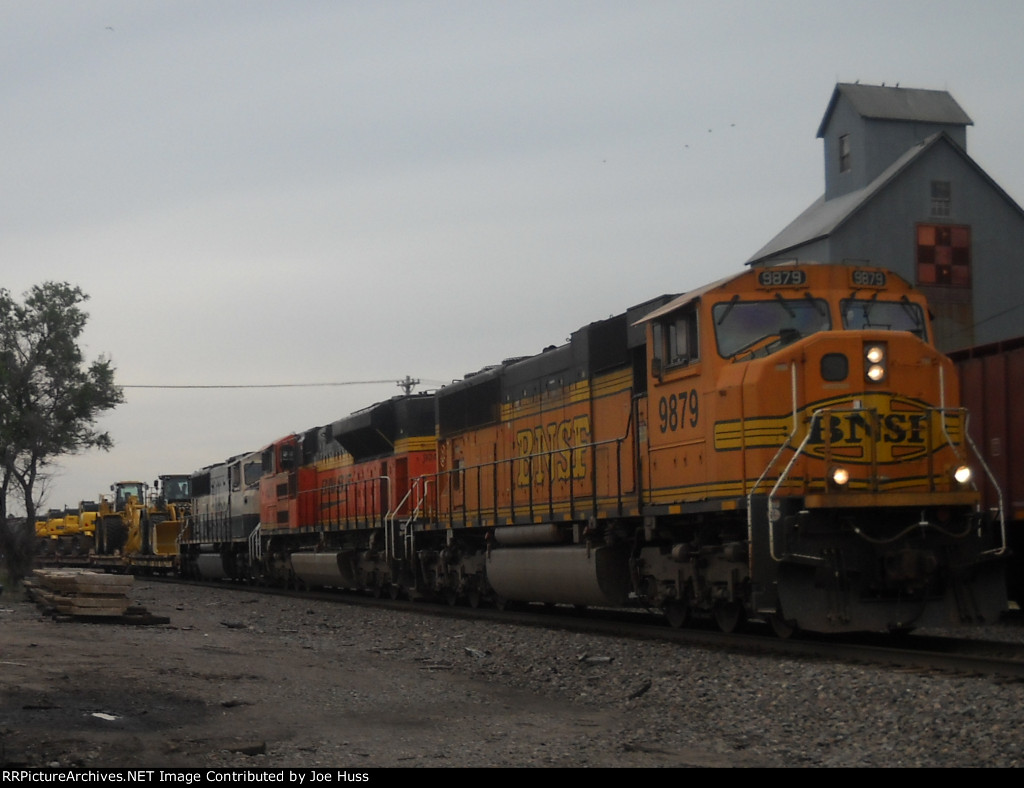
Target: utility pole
[(407, 384)]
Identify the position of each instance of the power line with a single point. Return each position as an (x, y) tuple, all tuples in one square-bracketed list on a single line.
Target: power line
[(405, 384), (960, 332)]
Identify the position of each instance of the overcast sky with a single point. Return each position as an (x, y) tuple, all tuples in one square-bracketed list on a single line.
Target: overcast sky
[(262, 192)]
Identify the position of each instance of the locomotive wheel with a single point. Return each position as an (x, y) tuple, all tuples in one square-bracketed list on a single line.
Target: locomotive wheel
[(451, 590), (394, 590), (676, 614), (729, 616), (782, 627), (474, 598)]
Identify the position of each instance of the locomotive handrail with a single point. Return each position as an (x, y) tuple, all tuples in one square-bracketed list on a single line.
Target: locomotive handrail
[(464, 472), (782, 477), (965, 416), (401, 503), (547, 457), (255, 545), (943, 410), (388, 519), (414, 512), (349, 509), (995, 485), (406, 527), (418, 508), (770, 465), (390, 531), (965, 419)]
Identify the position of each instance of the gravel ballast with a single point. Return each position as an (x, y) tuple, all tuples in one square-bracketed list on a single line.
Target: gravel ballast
[(242, 679)]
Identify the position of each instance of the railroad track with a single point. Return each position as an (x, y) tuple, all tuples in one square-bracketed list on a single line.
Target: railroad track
[(923, 652)]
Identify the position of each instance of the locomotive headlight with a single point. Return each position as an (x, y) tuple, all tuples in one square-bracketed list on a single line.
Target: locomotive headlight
[(875, 362), (962, 474), (840, 476)]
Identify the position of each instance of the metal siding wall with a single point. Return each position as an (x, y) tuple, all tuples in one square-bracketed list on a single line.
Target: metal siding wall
[(844, 121)]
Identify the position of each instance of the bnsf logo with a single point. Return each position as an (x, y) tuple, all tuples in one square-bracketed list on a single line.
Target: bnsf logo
[(558, 447), (884, 429), (897, 436)]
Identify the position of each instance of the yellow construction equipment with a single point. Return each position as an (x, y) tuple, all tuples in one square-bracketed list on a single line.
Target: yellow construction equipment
[(117, 517), (138, 526), (48, 533), (161, 522)]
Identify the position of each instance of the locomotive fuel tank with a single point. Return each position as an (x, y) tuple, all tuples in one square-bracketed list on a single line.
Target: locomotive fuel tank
[(574, 575)]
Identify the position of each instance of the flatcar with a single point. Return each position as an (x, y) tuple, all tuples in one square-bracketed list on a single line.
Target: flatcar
[(785, 444)]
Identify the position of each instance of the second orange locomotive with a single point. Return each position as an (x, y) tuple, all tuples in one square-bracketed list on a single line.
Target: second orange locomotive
[(785, 444)]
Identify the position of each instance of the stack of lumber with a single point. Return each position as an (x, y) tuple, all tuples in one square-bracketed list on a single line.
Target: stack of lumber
[(80, 592)]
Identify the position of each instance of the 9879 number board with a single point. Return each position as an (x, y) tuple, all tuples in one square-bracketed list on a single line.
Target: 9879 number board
[(678, 411)]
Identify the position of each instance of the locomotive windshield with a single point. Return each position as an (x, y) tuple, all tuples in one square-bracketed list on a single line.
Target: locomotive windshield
[(253, 471), (762, 327), (888, 315)]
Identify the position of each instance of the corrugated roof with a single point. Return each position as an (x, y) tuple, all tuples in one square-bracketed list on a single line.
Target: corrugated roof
[(884, 103), (823, 216)]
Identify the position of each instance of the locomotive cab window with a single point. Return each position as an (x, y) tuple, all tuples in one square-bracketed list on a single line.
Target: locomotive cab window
[(758, 328), (675, 341), (251, 472), (887, 315)]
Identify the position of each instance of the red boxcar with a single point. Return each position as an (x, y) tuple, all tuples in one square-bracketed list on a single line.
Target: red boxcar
[(992, 387)]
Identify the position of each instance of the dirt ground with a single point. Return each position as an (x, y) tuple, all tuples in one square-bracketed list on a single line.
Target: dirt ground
[(245, 680)]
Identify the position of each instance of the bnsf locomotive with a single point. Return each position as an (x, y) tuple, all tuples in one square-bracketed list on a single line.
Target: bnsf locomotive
[(785, 444)]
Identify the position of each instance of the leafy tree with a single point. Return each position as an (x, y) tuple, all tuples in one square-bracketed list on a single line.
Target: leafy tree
[(49, 402)]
